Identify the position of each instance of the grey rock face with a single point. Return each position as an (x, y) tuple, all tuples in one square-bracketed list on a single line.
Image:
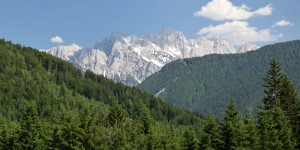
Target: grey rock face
[(131, 59)]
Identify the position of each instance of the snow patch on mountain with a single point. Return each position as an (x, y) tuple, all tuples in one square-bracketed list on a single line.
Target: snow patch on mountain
[(63, 51), (131, 59), (247, 47)]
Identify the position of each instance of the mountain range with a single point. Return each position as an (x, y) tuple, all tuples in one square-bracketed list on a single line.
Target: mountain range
[(131, 59), (207, 84)]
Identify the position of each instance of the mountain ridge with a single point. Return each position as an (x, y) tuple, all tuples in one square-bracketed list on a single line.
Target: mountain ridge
[(131, 59), (208, 83)]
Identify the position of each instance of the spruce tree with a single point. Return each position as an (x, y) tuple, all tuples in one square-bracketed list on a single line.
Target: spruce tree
[(289, 102), (8, 136), (250, 134), (56, 140), (296, 124), (231, 128), (212, 138), (145, 121), (86, 124), (274, 130), (272, 86), (276, 119), (116, 116), (28, 136), (189, 140), (72, 135)]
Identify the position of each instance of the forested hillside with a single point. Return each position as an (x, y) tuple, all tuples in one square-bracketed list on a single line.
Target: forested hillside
[(207, 84), (46, 103)]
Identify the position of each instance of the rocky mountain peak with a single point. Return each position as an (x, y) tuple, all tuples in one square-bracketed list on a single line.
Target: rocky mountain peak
[(247, 47), (131, 59), (64, 51), (107, 44)]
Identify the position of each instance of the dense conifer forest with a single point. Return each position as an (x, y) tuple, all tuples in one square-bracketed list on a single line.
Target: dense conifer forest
[(47, 103), (206, 84)]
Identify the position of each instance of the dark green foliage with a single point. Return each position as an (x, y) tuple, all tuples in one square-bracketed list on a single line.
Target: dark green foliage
[(297, 122), (289, 103), (231, 128), (47, 103), (276, 120), (250, 136), (116, 116), (86, 124), (280, 92), (288, 97), (274, 130), (272, 86), (212, 135), (72, 135), (189, 141), (28, 136), (209, 82), (145, 121), (8, 135)]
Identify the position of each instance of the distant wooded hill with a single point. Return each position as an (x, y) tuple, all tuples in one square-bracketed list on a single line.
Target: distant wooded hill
[(208, 83), (47, 103)]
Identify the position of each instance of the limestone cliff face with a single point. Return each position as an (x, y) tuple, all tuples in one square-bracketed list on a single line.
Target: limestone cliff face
[(131, 59)]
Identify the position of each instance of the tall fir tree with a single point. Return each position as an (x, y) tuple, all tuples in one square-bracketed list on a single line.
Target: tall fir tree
[(212, 135), (274, 130), (28, 137), (116, 116), (250, 133), (72, 135), (231, 128), (280, 92), (288, 97), (298, 124), (189, 141), (8, 135), (272, 86), (145, 121), (289, 103), (86, 124)]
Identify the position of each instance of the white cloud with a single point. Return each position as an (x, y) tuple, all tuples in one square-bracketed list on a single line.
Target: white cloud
[(238, 32), (282, 23), (226, 10), (56, 39)]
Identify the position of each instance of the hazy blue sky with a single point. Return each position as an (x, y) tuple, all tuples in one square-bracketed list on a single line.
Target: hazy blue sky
[(35, 22)]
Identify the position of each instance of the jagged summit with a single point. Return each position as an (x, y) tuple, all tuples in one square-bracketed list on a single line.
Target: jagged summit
[(247, 47), (131, 59), (63, 51)]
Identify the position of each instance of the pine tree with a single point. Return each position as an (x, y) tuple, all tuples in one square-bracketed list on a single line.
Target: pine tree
[(250, 134), (171, 139), (289, 102), (274, 130), (8, 136), (29, 133), (277, 117), (86, 123), (118, 139), (297, 122), (272, 86), (189, 140), (56, 140), (231, 128), (116, 116), (145, 120), (212, 138), (71, 134)]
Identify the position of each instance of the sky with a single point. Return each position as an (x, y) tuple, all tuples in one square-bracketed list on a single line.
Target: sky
[(47, 23)]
